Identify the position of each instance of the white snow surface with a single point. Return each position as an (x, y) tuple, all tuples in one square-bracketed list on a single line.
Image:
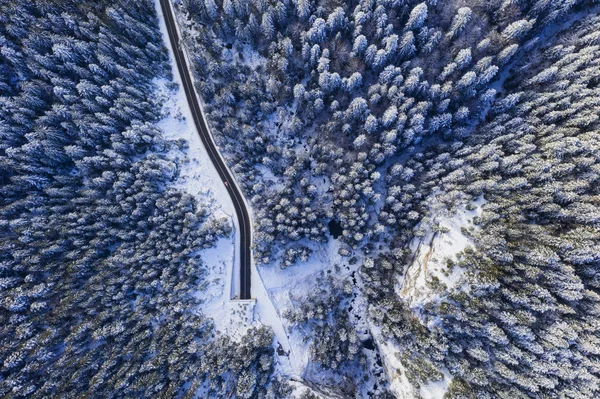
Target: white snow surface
[(282, 286), (436, 389), (394, 369), (396, 372)]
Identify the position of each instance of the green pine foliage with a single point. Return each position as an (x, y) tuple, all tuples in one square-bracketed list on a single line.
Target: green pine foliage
[(363, 111)]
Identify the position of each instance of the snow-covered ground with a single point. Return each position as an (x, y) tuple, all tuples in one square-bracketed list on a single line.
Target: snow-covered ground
[(395, 371), (431, 251), (296, 281), (436, 389)]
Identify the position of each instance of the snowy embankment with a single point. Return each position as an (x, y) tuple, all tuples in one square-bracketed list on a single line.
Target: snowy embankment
[(425, 279), (431, 252)]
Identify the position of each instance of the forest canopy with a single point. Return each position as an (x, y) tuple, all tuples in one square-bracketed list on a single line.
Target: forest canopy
[(386, 122), (100, 256), (385, 115)]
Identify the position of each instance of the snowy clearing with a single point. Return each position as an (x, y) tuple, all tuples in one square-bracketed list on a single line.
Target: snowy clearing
[(431, 251), (284, 286)]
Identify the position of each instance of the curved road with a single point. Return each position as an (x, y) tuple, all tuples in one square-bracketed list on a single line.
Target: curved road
[(241, 211)]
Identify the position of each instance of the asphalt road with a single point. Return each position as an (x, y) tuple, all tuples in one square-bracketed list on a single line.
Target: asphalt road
[(244, 253)]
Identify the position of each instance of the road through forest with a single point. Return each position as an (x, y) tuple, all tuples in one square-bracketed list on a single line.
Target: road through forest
[(245, 227)]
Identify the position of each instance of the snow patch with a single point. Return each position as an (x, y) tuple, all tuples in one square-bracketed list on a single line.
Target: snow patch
[(197, 173), (252, 58), (281, 287), (266, 311), (436, 389), (394, 369), (431, 251), (235, 317)]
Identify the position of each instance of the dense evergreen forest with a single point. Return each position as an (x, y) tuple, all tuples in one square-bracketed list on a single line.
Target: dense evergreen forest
[(385, 116), (377, 112), (99, 260)]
